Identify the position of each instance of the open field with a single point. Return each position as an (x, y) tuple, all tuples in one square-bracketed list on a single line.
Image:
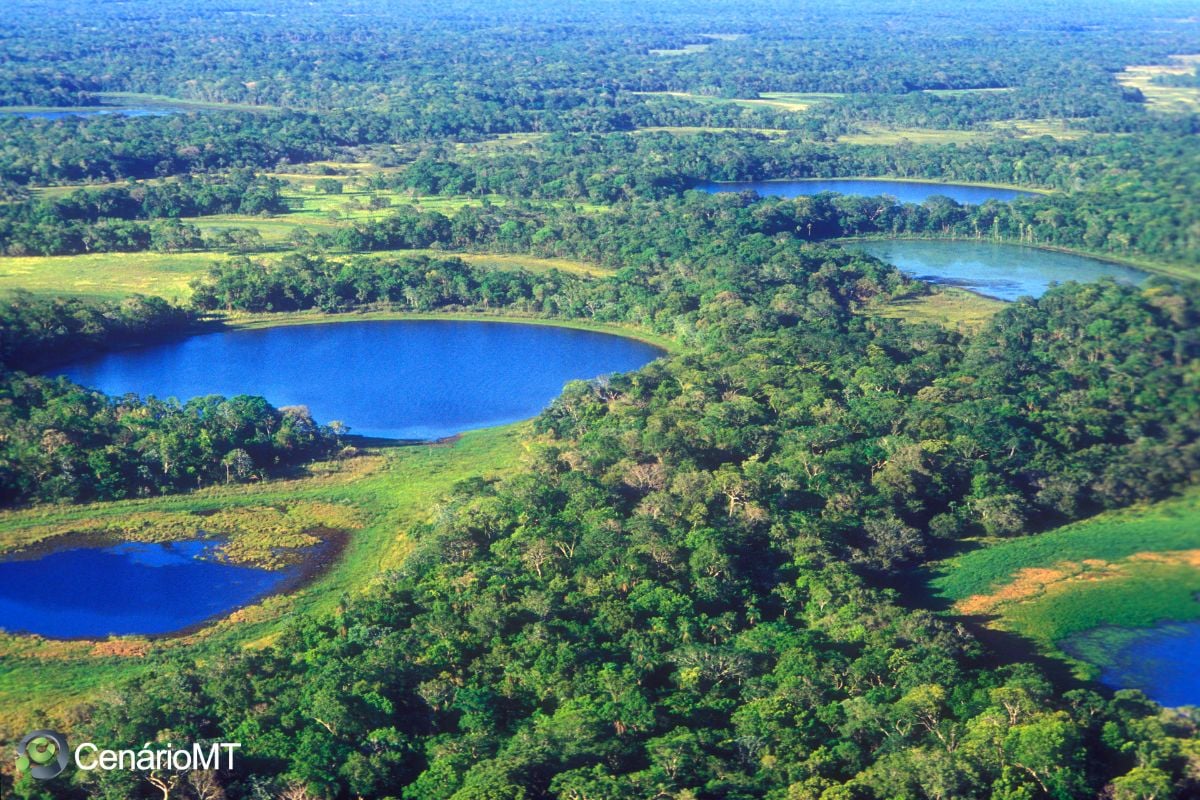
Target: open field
[(784, 101), (135, 99), (1179, 99), (686, 50), (108, 276), (879, 134), (688, 130), (952, 308), (1136, 567), (1020, 128), (111, 276), (387, 491), (962, 92)]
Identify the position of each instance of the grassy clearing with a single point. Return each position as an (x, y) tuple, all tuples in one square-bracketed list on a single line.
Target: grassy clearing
[(786, 101), (1169, 525), (106, 276), (137, 99), (1034, 128), (1170, 99), (688, 130), (952, 308), (388, 492), (967, 92), (1134, 568), (879, 134), (501, 141), (686, 50), (111, 276)]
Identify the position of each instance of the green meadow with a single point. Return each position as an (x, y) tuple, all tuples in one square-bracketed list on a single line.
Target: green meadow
[(1132, 568)]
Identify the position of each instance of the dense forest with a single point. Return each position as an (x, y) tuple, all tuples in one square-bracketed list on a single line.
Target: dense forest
[(699, 580)]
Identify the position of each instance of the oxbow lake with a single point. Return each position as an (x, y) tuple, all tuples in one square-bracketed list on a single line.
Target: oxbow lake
[(127, 588), (1002, 271), (904, 191), (402, 379)]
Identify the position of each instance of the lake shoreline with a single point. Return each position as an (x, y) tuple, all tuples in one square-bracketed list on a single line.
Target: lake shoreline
[(1156, 268), (315, 561), (1008, 187)]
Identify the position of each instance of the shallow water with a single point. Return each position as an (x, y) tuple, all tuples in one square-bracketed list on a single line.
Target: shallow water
[(127, 588), (1003, 271), (904, 191), (1161, 661), (394, 379)]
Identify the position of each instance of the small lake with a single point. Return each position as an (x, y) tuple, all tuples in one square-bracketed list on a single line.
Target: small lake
[(1161, 661), (1002, 271), (904, 191), (402, 379), (127, 588)]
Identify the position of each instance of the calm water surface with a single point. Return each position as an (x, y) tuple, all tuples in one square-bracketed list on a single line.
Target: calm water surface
[(394, 379), (128, 588), (904, 191), (1161, 661), (1003, 271)]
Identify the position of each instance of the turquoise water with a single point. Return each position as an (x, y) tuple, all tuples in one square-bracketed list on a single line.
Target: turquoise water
[(393, 379), (123, 589), (1160, 661), (904, 191), (1003, 271)]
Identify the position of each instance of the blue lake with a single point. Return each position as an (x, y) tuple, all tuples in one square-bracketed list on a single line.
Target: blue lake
[(392, 379), (128, 588), (904, 191), (1003, 271), (1160, 661)]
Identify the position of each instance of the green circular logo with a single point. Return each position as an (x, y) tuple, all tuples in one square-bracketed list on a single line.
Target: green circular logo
[(43, 754)]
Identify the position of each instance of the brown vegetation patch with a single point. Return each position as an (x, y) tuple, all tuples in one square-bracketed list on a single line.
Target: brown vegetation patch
[(1034, 581)]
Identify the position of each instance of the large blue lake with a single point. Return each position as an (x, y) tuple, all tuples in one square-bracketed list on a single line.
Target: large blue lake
[(128, 588), (392, 379), (1161, 661), (904, 191), (1003, 271)]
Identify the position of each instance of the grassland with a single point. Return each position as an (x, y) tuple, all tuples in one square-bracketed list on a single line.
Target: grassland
[(1171, 99), (686, 50), (108, 276), (111, 276), (140, 99), (952, 308), (380, 497), (1136, 567), (1019, 128), (881, 134), (966, 92), (783, 101)]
